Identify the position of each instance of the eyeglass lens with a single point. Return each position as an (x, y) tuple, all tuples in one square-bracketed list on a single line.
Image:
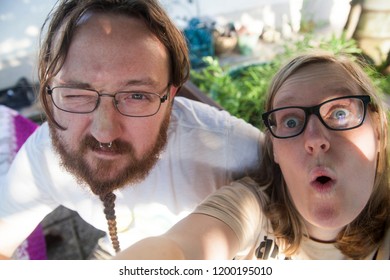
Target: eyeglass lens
[(337, 114), (77, 100)]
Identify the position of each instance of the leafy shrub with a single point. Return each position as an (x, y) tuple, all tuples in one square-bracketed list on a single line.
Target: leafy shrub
[(240, 91)]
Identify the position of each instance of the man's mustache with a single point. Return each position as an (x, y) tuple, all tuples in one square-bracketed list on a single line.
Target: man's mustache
[(118, 146)]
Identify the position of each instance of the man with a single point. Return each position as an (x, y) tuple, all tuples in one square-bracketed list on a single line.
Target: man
[(115, 141)]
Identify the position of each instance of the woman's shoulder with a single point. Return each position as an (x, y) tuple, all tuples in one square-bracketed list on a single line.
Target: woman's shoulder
[(239, 206)]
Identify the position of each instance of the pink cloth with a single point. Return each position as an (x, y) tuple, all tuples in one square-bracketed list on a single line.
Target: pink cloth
[(16, 129), (23, 129)]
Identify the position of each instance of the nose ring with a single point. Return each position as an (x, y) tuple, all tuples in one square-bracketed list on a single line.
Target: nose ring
[(107, 145)]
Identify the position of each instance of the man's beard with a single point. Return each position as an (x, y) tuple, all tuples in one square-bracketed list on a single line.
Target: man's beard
[(134, 172)]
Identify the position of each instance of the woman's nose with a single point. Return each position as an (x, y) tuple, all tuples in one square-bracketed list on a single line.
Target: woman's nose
[(316, 136)]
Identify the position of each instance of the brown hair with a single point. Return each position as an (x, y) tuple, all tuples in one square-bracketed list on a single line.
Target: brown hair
[(63, 23), (362, 235)]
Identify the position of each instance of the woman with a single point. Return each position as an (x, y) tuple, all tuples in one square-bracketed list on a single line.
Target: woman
[(323, 189)]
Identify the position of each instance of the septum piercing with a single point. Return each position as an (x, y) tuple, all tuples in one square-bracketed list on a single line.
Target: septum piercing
[(108, 145)]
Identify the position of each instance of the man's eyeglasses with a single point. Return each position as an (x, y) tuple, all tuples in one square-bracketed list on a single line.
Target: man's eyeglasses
[(84, 101), (342, 113)]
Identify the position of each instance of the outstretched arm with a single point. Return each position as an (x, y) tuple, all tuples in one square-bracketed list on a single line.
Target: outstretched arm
[(225, 223), (197, 236)]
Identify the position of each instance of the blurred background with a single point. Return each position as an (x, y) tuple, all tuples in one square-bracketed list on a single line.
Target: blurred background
[(234, 32), (235, 48), (21, 20)]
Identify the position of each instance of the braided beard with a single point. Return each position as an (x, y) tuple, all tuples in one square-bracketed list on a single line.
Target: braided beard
[(109, 211)]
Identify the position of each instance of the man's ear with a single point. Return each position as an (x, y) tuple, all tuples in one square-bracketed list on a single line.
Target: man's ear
[(172, 91)]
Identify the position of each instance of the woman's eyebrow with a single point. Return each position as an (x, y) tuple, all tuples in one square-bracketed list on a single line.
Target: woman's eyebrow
[(340, 90), (293, 99), (287, 101)]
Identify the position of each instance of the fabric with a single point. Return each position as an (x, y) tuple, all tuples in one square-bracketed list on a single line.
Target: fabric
[(14, 130), (239, 206), (207, 148)]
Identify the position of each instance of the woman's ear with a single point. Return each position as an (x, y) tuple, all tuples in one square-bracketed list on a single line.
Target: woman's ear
[(276, 158), (378, 130), (378, 126)]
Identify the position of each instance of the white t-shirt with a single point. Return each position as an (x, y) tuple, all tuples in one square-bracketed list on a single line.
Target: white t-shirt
[(206, 149)]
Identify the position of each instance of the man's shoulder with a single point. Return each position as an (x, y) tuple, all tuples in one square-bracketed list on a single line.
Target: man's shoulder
[(183, 105), (41, 134), (39, 142), (190, 113)]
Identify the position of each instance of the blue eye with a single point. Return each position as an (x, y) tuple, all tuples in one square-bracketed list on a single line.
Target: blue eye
[(291, 123), (129, 97), (340, 118), (340, 114), (136, 96)]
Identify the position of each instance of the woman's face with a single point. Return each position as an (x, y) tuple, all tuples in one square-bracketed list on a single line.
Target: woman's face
[(329, 174)]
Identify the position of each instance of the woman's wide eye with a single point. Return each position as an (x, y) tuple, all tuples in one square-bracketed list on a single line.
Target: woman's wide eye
[(291, 122), (340, 114)]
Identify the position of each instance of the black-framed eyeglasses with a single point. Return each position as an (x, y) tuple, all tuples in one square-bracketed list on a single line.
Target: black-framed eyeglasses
[(342, 113), (128, 103)]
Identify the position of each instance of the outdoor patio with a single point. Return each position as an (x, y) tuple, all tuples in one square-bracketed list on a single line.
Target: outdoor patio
[(67, 236)]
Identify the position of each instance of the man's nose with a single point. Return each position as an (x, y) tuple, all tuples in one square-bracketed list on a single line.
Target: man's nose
[(106, 121)]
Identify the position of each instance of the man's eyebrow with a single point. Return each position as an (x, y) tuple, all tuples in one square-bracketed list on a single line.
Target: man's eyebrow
[(74, 83), (141, 82), (132, 82)]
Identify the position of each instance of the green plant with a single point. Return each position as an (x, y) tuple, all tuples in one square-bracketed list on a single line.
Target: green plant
[(241, 91)]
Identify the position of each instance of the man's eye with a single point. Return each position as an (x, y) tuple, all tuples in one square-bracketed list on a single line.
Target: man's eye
[(73, 96), (131, 97), (137, 96), (78, 98)]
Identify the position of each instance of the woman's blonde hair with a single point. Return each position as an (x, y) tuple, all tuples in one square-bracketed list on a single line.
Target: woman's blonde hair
[(363, 234)]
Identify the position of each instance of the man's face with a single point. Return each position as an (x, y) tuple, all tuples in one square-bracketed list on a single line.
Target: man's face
[(111, 53)]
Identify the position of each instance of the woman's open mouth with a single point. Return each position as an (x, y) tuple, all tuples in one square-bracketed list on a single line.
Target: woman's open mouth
[(322, 179)]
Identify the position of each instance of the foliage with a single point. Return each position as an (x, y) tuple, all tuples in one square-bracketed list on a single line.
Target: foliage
[(242, 91)]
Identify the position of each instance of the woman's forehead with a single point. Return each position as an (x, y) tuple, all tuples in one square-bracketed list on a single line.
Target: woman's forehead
[(314, 84)]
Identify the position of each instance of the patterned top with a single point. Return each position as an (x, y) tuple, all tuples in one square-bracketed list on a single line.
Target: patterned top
[(14, 131)]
